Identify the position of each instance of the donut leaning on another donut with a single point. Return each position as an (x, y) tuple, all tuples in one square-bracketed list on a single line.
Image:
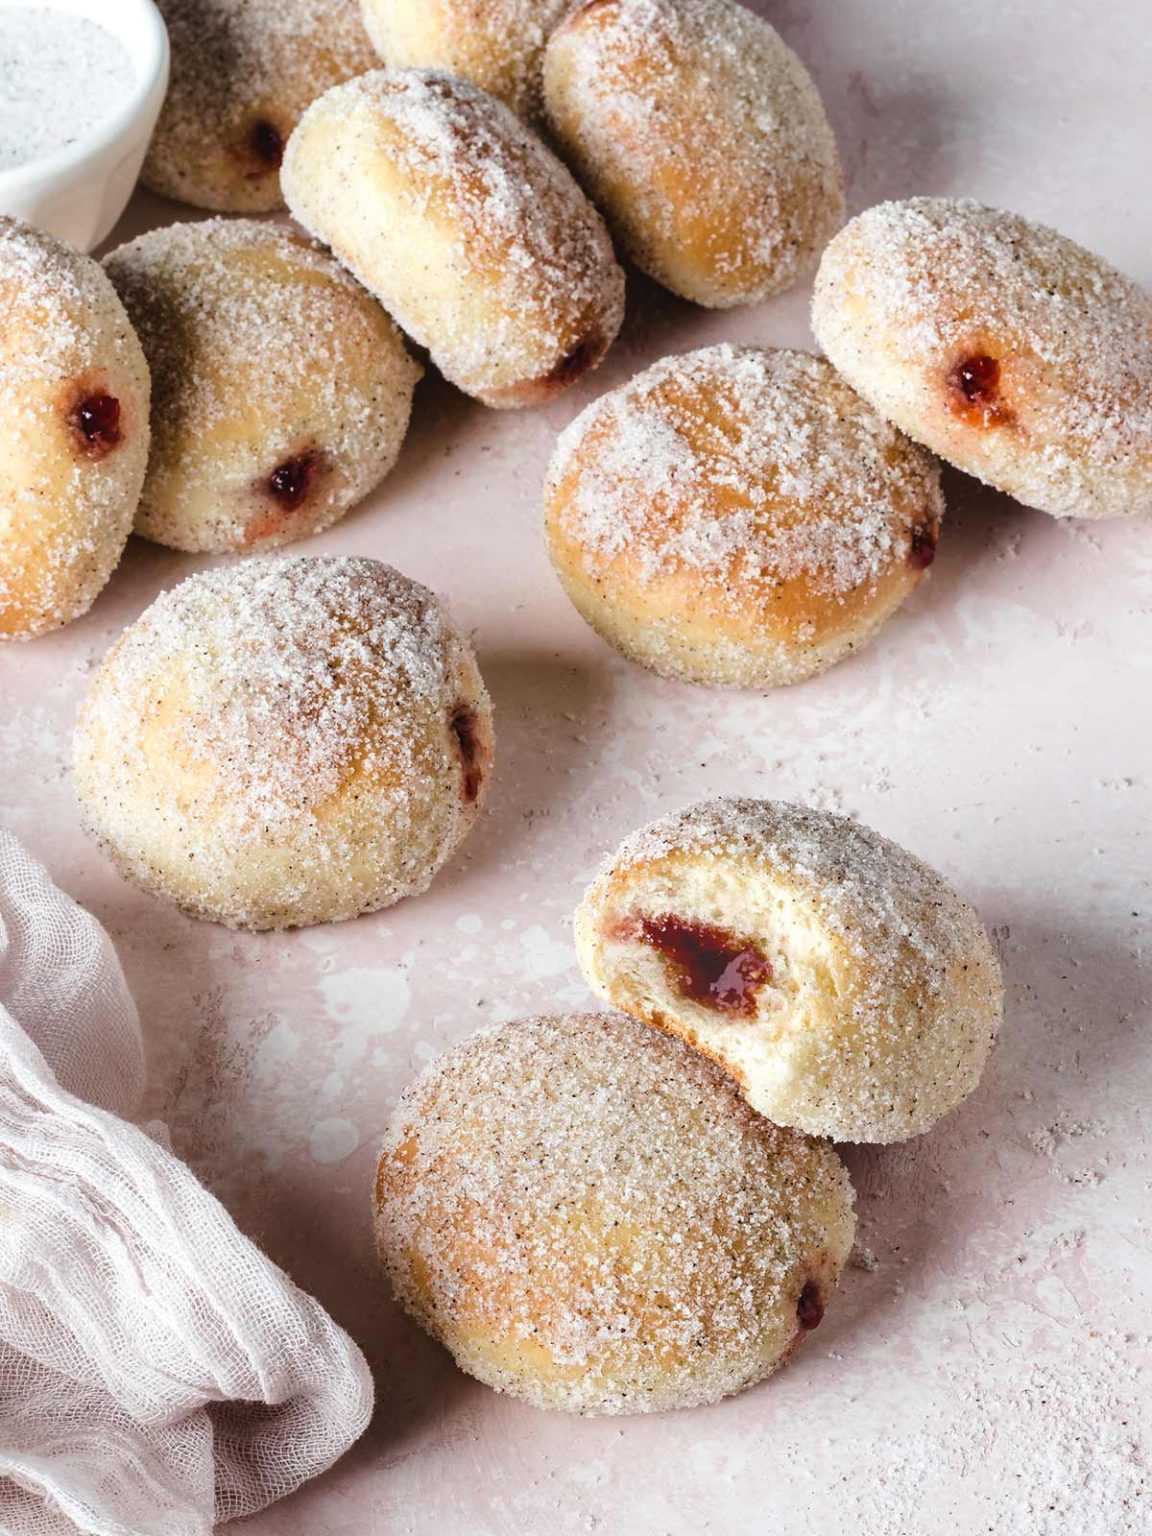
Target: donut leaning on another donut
[(1009, 350), (498, 45), (702, 137), (739, 517), (839, 980), (242, 73), (589, 1217), (469, 231), (73, 431), (284, 742), (281, 388)]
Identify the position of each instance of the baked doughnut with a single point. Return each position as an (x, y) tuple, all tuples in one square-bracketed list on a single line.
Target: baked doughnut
[(469, 231), (242, 73), (703, 139), (589, 1216), (739, 517), (840, 981), (73, 432), (498, 45), (281, 389), (1011, 352), (285, 742)]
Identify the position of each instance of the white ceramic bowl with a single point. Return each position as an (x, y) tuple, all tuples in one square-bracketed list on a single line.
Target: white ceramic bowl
[(80, 191)]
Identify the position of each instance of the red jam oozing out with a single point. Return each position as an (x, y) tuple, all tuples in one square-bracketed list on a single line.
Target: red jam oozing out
[(96, 424), (810, 1307), (711, 965), (266, 143), (574, 363), (289, 483), (465, 727), (922, 547), (975, 385)]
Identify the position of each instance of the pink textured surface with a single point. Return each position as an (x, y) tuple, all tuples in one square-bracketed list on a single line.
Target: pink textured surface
[(979, 1371)]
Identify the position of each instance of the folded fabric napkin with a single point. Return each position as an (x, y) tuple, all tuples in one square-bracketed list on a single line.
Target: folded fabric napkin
[(157, 1372)]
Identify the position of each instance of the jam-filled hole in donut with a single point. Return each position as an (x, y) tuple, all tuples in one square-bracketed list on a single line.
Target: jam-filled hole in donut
[(95, 420), (810, 1306), (712, 966), (975, 391), (922, 546), (264, 144), (464, 723)]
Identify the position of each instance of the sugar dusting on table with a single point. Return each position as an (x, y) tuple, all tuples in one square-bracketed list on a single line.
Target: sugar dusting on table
[(60, 76)]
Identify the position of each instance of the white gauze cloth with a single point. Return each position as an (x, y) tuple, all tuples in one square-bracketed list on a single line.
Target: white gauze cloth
[(157, 1372)]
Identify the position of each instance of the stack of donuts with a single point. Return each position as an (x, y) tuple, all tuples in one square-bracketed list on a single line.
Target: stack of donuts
[(640, 1208)]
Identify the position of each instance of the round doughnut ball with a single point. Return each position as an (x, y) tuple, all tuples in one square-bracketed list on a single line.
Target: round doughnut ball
[(589, 1217), (469, 231), (1013, 353), (702, 137), (73, 431), (242, 73), (499, 45), (281, 389), (285, 742), (739, 517), (847, 989)]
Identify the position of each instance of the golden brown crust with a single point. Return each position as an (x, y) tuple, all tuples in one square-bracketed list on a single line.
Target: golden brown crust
[(668, 1248), (739, 517), (468, 230), (278, 743), (74, 433), (1015, 354), (703, 139), (242, 75)]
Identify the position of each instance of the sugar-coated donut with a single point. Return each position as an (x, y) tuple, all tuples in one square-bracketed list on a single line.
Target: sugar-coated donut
[(470, 232), (1013, 353), (838, 979), (73, 431), (588, 1216), (285, 742), (281, 388), (242, 73), (739, 517), (499, 45), (701, 136)]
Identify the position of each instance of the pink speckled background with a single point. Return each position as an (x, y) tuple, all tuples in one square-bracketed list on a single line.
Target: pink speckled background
[(980, 1370)]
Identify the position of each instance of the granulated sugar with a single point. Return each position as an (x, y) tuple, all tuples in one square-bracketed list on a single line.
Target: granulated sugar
[(59, 77)]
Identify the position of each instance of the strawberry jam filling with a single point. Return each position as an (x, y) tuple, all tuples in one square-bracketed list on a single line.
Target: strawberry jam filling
[(710, 965)]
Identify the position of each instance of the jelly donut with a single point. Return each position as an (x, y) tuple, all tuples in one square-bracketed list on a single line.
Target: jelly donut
[(838, 979), (588, 1216), (73, 432), (1013, 353), (703, 139), (469, 231), (739, 517), (498, 45), (281, 389), (285, 742), (242, 73)]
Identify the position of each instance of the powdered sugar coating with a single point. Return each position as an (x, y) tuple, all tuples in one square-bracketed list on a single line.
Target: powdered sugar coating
[(909, 292), (589, 1217), (469, 231), (265, 355), (243, 71), (739, 516), (498, 45), (885, 994), (66, 504), (272, 744), (701, 136)]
